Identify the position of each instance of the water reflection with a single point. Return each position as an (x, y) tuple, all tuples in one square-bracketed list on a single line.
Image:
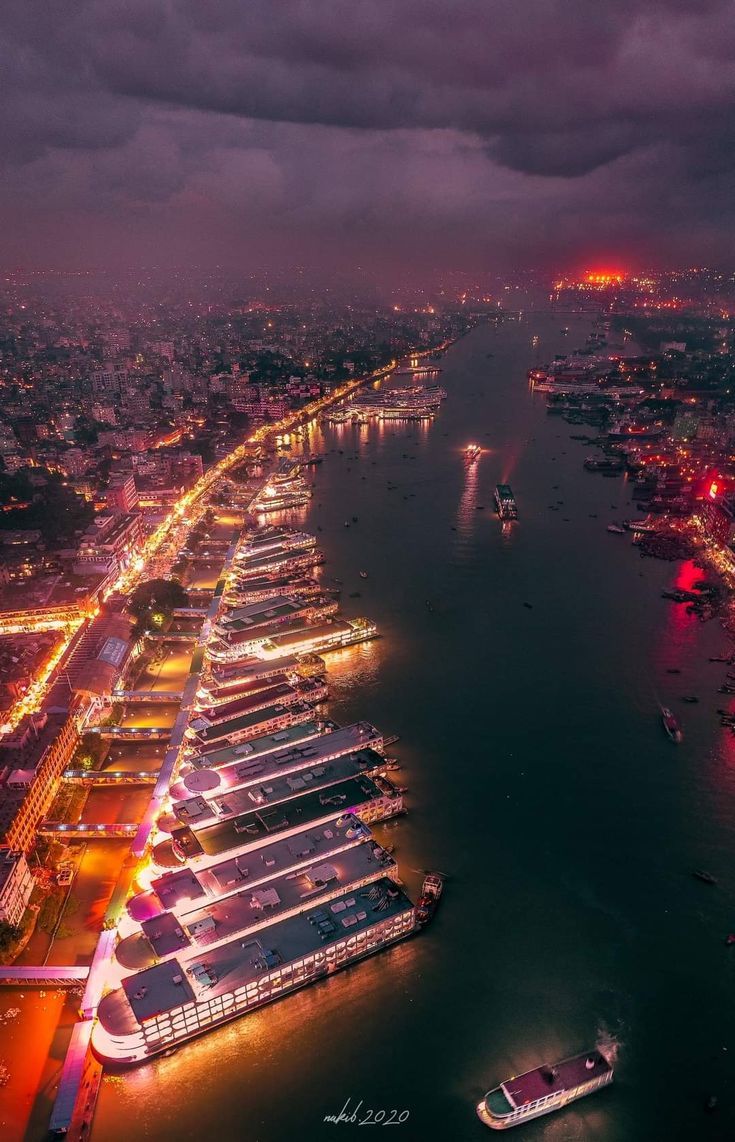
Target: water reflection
[(467, 511)]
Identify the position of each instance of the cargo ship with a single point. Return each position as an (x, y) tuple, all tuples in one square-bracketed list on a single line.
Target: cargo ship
[(504, 502), (547, 1088)]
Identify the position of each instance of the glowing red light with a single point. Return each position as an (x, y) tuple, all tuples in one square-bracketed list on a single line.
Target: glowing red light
[(713, 489)]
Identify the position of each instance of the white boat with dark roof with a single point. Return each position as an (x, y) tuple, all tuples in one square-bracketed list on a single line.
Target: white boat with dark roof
[(549, 1087)]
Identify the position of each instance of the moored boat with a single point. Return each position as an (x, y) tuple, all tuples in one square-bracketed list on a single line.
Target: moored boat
[(545, 1089), (431, 891), (505, 503)]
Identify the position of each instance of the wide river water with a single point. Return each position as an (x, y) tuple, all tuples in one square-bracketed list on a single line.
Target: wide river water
[(540, 782)]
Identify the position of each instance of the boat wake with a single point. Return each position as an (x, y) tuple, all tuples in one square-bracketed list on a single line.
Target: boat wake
[(608, 1043)]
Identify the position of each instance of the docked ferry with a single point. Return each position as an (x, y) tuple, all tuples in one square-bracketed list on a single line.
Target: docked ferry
[(504, 502), (547, 1088)]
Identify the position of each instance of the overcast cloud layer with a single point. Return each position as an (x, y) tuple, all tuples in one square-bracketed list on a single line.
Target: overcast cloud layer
[(461, 133)]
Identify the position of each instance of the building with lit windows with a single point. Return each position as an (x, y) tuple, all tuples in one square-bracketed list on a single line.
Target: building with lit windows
[(16, 886)]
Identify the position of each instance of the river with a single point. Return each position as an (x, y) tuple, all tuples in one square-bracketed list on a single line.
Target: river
[(541, 783)]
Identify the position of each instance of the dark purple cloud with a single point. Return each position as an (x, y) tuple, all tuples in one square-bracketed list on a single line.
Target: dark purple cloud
[(480, 128)]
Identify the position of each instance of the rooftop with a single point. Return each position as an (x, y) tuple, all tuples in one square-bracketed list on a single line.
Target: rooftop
[(298, 635), (281, 787), (249, 767), (257, 747), (214, 973), (252, 905), (276, 558), (551, 1078), (253, 827), (240, 725)]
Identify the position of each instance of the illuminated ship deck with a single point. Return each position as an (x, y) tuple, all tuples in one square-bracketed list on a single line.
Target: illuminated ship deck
[(257, 747), (275, 609), (253, 766), (321, 637), (251, 906), (353, 795), (306, 556), (154, 1007), (196, 810), (183, 890), (249, 725), (563, 1076)]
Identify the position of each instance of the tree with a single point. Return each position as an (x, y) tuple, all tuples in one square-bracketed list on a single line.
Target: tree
[(9, 933), (44, 504), (152, 603)]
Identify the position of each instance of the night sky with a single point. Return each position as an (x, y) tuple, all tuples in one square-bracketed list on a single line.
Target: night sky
[(462, 134)]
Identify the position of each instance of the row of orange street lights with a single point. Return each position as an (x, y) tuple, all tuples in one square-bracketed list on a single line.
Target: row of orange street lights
[(167, 529)]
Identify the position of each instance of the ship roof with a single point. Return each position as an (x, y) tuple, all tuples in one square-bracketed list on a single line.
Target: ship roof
[(182, 890), (245, 722), (256, 747), (553, 1078), (247, 766), (277, 556), (245, 703), (252, 828), (307, 633), (251, 905), (280, 787), (235, 634), (168, 985)]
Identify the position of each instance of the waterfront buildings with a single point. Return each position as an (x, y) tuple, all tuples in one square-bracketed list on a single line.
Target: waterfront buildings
[(16, 886)]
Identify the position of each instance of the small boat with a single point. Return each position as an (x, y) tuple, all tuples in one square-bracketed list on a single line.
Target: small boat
[(529, 605), (431, 891), (545, 1089), (711, 1103), (354, 594), (354, 519), (730, 939), (705, 877), (671, 725), (472, 453), (363, 574), (690, 698), (673, 670)]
